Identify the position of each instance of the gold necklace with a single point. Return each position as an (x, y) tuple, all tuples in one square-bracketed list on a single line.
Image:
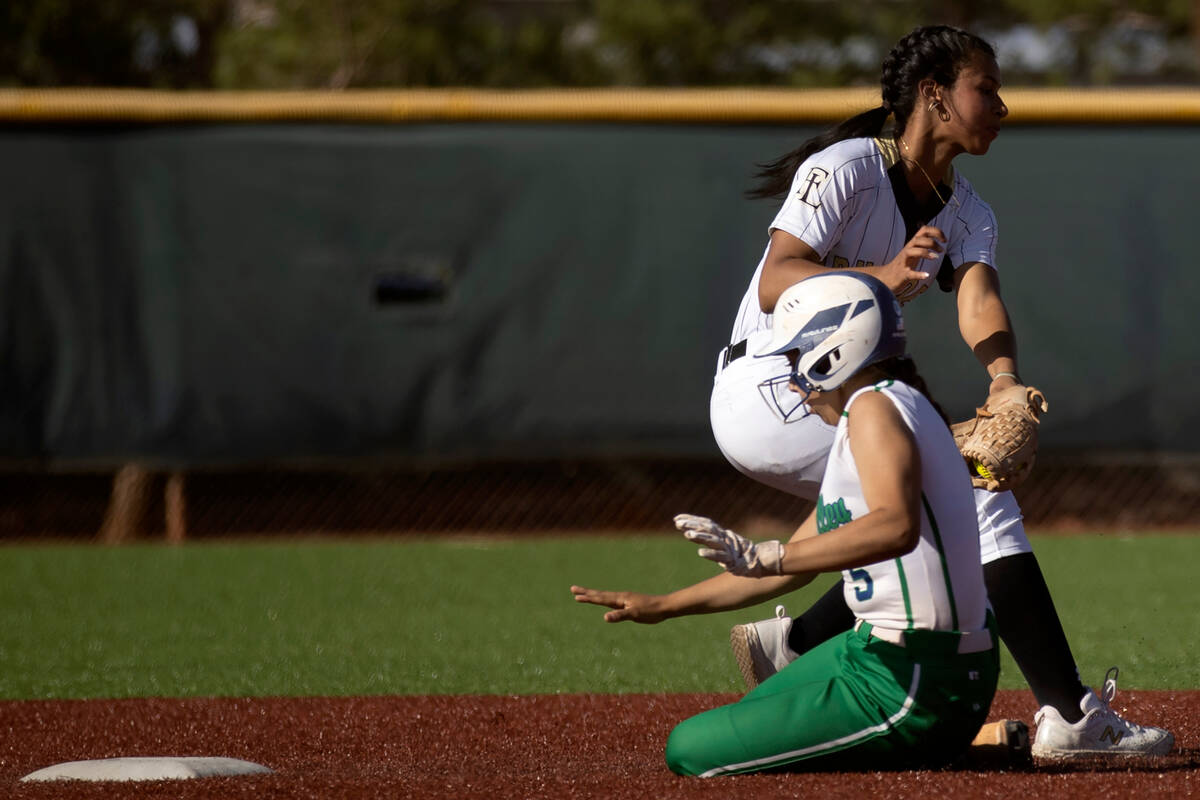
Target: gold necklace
[(932, 185)]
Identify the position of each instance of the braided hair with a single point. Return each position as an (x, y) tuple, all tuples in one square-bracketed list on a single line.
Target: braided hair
[(933, 51)]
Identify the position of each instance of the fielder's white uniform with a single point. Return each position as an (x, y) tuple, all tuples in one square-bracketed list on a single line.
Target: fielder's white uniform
[(845, 205)]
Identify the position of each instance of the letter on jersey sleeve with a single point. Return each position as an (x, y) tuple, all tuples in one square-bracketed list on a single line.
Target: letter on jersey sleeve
[(817, 207)]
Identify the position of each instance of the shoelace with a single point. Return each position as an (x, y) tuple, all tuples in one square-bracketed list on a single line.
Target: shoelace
[(1108, 693)]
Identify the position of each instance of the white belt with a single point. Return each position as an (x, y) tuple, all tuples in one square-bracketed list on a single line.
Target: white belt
[(968, 641)]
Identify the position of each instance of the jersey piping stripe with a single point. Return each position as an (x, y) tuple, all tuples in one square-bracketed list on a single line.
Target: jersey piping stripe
[(937, 539), (908, 612), (832, 745), (844, 216), (855, 259)]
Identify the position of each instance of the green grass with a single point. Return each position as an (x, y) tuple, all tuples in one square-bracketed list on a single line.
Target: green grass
[(495, 616)]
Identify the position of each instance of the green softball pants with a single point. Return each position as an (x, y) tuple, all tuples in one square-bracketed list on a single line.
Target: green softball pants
[(854, 702)]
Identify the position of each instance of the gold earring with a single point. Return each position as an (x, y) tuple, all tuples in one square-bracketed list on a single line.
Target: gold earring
[(932, 105)]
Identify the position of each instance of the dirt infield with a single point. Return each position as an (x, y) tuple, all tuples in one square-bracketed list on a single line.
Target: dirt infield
[(551, 746)]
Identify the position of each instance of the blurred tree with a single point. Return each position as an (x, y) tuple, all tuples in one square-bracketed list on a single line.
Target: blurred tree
[(109, 42), (342, 43), (679, 42), (525, 43), (1113, 41)]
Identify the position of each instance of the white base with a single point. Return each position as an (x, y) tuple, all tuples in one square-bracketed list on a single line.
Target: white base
[(154, 768)]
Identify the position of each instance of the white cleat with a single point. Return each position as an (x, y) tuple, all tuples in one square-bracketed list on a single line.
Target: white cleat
[(1101, 732), (761, 648)]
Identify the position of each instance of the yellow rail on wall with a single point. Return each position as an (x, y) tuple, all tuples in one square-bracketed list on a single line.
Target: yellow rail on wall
[(1028, 105)]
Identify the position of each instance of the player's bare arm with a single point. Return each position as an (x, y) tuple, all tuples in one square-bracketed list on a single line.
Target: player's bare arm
[(790, 260), (722, 592), (984, 323), (889, 466)]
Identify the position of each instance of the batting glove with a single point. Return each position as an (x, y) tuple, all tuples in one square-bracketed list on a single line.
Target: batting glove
[(735, 553)]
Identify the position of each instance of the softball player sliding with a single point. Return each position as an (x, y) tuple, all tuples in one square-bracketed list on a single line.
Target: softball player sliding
[(890, 204), (911, 682)]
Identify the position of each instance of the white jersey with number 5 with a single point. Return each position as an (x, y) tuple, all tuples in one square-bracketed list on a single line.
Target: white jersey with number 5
[(843, 205), (939, 585)]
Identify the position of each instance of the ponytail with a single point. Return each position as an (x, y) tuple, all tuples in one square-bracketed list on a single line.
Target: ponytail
[(775, 177)]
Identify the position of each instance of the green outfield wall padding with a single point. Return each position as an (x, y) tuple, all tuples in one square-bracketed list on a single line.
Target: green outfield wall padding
[(202, 294)]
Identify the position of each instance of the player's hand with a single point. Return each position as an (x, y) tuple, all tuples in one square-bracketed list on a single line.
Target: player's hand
[(911, 265), (632, 606), (734, 552)]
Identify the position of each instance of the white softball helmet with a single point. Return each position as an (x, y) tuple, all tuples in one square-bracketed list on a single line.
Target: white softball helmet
[(840, 322)]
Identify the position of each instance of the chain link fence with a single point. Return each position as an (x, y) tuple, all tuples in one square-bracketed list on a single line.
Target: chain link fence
[(1068, 492)]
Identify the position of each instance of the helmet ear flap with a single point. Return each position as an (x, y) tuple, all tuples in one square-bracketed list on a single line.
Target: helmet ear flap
[(826, 364)]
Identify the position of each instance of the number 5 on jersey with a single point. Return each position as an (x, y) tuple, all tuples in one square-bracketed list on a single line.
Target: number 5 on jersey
[(867, 588)]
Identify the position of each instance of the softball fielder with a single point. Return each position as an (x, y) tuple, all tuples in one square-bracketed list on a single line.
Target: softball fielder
[(911, 682), (889, 203)]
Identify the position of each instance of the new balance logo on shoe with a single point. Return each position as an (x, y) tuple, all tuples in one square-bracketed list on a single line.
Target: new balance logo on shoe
[(1101, 732)]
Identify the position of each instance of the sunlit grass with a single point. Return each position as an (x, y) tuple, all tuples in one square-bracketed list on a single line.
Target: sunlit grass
[(479, 616)]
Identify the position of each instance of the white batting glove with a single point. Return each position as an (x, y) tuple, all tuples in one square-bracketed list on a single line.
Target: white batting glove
[(735, 553)]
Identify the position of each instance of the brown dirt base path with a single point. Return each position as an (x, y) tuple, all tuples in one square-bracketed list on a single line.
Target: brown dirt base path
[(560, 746)]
